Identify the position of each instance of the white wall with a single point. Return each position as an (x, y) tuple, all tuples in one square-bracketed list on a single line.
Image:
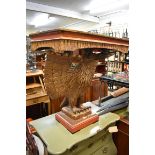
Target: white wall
[(119, 22)]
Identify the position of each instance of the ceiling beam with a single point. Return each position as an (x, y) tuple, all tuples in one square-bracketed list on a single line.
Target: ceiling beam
[(61, 12)]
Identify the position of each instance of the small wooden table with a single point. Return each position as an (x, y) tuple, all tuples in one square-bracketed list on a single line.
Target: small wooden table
[(38, 96)]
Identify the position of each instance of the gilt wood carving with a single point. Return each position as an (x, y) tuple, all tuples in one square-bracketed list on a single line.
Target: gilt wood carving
[(68, 40), (68, 77)]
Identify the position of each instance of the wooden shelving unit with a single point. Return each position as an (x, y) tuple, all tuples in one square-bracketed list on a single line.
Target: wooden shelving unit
[(35, 92), (118, 65)]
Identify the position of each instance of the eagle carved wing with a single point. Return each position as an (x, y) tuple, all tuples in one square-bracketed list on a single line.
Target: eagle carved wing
[(67, 77)]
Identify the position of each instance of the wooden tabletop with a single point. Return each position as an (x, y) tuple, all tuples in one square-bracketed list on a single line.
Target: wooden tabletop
[(61, 40)]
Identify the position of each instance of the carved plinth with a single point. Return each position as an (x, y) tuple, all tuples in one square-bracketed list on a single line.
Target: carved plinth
[(82, 112), (75, 125)]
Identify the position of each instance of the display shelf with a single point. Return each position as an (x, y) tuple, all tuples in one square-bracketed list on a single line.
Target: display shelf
[(36, 95), (33, 85), (30, 73), (119, 62), (116, 61), (112, 71)]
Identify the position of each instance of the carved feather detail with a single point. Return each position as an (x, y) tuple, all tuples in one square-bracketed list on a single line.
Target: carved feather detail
[(68, 76)]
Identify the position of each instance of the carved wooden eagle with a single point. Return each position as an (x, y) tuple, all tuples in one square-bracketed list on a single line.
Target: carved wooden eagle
[(68, 76)]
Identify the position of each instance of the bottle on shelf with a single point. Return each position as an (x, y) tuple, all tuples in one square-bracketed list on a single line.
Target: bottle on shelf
[(116, 58), (120, 67), (127, 57), (112, 66), (122, 57), (118, 34), (126, 33), (108, 66), (117, 55)]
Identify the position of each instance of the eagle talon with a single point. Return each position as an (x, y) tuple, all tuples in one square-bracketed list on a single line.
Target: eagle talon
[(76, 110)]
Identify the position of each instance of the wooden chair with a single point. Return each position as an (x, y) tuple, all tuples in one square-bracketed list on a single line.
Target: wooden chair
[(34, 145)]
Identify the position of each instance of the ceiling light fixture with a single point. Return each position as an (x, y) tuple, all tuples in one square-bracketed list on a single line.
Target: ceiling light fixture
[(42, 19), (50, 17)]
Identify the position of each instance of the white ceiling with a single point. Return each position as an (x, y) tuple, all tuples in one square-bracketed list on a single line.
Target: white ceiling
[(73, 14), (74, 5)]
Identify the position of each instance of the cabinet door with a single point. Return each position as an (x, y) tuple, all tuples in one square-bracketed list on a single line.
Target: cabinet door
[(121, 138)]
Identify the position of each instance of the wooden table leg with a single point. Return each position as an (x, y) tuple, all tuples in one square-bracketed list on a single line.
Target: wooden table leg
[(41, 83), (49, 107)]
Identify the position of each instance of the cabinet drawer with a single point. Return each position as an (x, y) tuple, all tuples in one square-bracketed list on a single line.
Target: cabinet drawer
[(93, 145), (89, 145), (102, 151)]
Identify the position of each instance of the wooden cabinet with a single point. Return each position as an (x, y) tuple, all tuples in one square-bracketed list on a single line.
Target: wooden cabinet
[(95, 139), (121, 138)]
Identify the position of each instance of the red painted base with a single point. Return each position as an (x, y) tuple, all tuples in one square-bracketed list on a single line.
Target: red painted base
[(75, 125)]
